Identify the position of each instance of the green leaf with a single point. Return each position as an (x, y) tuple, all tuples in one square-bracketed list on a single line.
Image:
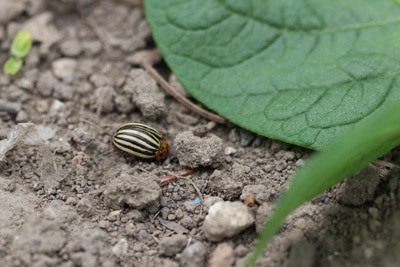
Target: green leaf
[(348, 155), (303, 72), (21, 44), (13, 65)]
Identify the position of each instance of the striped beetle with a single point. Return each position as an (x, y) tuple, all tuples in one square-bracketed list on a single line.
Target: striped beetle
[(140, 140)]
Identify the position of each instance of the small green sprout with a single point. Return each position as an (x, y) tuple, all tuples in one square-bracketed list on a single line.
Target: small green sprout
[(20, 47), (13, 65)]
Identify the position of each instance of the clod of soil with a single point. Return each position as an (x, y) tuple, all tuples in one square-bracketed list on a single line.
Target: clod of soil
[(137, 191), (194, 151), (172, 245)]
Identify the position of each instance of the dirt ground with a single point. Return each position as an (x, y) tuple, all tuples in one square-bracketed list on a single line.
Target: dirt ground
[(67, 198)]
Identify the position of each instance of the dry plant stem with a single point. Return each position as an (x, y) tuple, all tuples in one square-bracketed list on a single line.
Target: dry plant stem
[(93, 124), (180, 175), (181, 99), (174, 176)]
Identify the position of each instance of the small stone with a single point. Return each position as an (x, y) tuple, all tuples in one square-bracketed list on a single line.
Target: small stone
[(209, 201), (226, 219), (246, 137), (121, 248), (63, 91), (64, 68), (71, 48), (222, 256), (300, 162), (42, 106), (46, 83), (10, 10), (187, 222), (91, 47), (194, 255), (22, 116), (172, 245), (194, 151), (230, 150), (104, 224), (100, 80), (71, 201)]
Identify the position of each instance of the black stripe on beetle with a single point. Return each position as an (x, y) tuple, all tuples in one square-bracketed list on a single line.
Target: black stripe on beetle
[(140, 140)]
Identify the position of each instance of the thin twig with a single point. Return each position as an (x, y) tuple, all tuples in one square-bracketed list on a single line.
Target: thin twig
[(194, 185), (181, 99)]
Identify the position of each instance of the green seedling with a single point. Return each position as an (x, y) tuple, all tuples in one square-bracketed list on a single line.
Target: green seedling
[(20, 47), (13, 65)]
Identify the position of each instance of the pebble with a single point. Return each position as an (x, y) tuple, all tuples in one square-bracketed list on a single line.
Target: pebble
[(63, 91), (246, 137), (187, 222), (230, 150), (10, 107), (226, 219), (172, 245), (71, 48), (211, 200), (10, 10), (91, 47), (194, 255), (103, 224), (121, 248), (64, 68), (222, 256), (46, 83), (136, 191), (194, 151), (300, 162), (22, 116)]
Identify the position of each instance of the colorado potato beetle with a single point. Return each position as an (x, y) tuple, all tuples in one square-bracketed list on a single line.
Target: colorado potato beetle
[(140, 140)]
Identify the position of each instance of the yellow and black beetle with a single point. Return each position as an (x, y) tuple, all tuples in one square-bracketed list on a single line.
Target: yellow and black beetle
[(140, 140)]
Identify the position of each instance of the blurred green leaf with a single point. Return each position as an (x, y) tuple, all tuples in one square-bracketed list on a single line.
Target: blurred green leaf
[(13, 65), (21, 44)]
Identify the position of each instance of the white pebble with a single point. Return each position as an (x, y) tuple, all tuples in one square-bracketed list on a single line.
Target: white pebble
[(226, 219)]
